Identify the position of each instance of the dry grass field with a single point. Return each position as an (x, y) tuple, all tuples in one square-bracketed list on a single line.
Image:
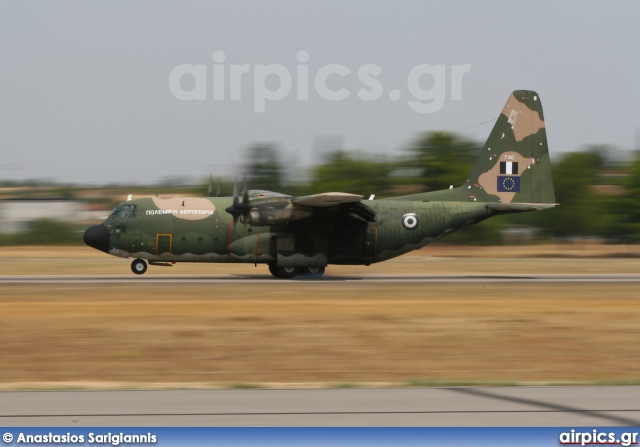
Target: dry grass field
[(322, 333)]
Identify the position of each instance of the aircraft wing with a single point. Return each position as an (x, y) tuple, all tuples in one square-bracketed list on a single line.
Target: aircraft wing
[(269, 208), (343, 202), (327, 199), (507, 208)]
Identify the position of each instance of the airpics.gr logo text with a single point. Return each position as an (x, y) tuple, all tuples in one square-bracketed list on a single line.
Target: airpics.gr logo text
[(596, 437), (332, 82)]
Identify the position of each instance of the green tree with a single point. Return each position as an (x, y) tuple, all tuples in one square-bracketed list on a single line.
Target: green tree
[(45, 232), (345, 173), (446, 158), (263, 168), (621, 216), (580, 210)]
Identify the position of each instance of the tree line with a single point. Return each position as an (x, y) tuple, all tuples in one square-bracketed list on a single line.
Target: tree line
[(598, 195)]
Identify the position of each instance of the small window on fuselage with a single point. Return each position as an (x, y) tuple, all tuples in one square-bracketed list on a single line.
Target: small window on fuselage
[(129, 211), (125, 211)]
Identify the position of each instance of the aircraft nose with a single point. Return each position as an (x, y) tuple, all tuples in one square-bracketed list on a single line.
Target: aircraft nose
[(97, 237)]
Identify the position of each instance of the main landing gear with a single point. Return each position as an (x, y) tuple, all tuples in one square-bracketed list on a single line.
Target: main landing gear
[(292, 272)]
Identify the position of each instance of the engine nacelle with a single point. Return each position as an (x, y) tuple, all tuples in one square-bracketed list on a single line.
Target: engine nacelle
[(272, 213)]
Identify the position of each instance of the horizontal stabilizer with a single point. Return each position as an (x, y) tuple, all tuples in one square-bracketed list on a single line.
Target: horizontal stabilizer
[(505, 208)]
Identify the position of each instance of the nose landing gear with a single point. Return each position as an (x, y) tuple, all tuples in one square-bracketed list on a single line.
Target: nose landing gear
[(138, 266)]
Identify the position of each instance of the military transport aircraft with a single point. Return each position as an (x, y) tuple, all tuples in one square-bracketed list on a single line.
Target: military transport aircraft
[(302, 235)]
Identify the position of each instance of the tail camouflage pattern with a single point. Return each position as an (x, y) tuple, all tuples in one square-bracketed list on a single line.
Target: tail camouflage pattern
[(514, 165)]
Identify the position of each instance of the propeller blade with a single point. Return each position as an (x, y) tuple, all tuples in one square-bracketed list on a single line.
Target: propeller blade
[(235, 192), (246, 207), (233, 209), (218, 190), (245, 199), (240, 209), (210, 191)]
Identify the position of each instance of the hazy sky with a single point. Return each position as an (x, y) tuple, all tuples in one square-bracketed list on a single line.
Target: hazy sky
[(85, 85)]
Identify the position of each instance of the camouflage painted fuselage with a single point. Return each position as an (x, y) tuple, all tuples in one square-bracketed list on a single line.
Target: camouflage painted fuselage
[(199, 230)]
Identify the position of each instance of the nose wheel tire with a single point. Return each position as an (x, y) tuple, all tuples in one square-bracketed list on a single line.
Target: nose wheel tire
[(138, 266), (283, 272)]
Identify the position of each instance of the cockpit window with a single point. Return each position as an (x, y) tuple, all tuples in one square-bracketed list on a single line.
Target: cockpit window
[(126, 211)]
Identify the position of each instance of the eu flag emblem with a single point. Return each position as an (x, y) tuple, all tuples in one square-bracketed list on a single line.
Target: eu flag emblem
[(508, 183)]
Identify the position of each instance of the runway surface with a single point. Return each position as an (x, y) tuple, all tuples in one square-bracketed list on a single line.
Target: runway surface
[(256, 279), (496, 406)]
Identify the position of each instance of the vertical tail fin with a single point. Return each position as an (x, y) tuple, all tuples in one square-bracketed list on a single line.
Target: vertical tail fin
[(514, 166)]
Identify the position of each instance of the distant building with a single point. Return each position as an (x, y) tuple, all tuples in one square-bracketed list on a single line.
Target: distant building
[(16, 215)]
